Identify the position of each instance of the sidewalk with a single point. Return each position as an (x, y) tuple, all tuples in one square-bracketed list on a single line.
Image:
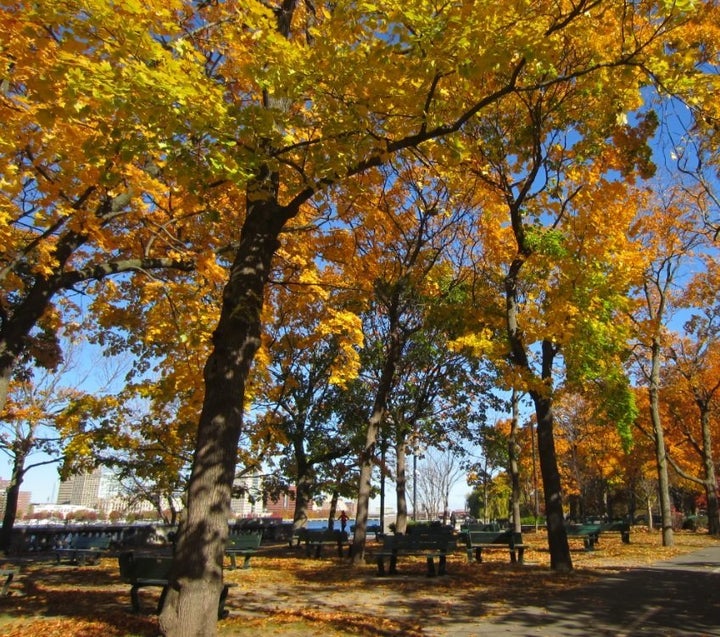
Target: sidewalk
[(680, 597)]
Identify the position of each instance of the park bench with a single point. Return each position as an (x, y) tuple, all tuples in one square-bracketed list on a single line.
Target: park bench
[(590, 532), (245, 545), (315, 539), (431, 544), (84, 549), (141, 571), (8, 574), (617, 527), (478, 541)]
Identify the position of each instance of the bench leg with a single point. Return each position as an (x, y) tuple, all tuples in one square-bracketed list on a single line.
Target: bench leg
[(393, 565), (625, 535), (340, 551), (134, 599), (246, 563), (233, 563), (6, 586), (521, 555), (318, 550), (222, 611), (161, 601), (470, 555), (442, 562), (381, 566), (430, 566), (478, 555), (513, 557)]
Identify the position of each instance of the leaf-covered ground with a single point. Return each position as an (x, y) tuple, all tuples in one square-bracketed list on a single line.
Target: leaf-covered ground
[(284, 593)]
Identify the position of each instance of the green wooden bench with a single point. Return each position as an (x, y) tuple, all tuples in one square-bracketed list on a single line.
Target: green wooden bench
[(154, 570), (478, 541), (431, 544), (589, 533), (621, 527), (84, 549), (8, 574), (315, 539), (245, 545)]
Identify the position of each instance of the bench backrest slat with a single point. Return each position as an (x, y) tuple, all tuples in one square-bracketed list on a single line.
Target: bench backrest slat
[(244, 541), (84, 542), (322, 535), (135, 567), (423, 541), (583, 529), (492, 537)]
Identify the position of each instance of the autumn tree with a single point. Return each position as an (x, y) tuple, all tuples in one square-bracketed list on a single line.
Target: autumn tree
[(300, 409), (549, 271), (591, 454), (437, 474), (91, 102), (691, 387), (86, 191), (28, 433), (439, 398), (492, 465), (669, 233), (284, 101), (409, 264), (347, 60)]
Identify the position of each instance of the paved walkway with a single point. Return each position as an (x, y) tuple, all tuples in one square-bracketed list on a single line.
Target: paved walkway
[(680, 597)]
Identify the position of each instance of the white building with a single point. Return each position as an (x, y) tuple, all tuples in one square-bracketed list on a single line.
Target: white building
[(249, 502)]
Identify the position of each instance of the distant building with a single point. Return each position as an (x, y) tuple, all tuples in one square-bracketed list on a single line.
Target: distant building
[(284, 507), (81, 490), (248, 501), (24, 498)]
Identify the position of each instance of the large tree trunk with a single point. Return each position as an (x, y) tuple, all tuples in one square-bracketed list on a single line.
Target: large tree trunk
[(560, 559), (191, 605), (367, 462), (303, 495), (661, 461)]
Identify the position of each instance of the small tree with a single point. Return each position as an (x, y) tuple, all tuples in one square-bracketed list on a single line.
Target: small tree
[(438, 473)]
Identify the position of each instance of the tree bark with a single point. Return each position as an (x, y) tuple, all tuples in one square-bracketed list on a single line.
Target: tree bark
[(367, 456), (196, 582), (560, 559), (303, 495), (11, 502), (661, 461), (333, 509)]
